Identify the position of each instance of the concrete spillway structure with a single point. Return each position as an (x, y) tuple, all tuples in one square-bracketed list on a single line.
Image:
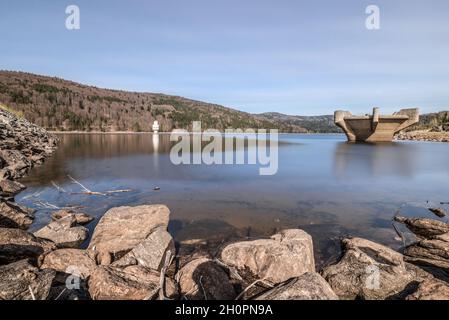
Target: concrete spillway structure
[(375, 127)]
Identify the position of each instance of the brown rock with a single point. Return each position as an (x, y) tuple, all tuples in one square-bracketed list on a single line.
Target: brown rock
[(202, 279), (368, 271), (309, 286), (8, 187), (80, 218), (21, 281), (14, 216), (63, 233), (130, 283), (430, 252), (426, 228), (438, 212), (16, 244), (121, 229), (285, 255), (431, 290), (70, 261)]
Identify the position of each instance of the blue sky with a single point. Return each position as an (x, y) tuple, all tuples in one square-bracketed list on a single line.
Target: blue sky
[(295, 57)]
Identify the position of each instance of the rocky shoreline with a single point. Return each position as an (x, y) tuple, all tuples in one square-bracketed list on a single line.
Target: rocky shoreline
[(132, 256), (442, 136)]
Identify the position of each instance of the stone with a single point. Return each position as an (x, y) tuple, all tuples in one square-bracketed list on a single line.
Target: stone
[(14, 216), (123, 228), (285, 255), (430, 252), (202, 279), (431, 290), (151, 252), (16, 244), (423, 227), (439, 212), (368, 271), (309, 286), (63, 233), (22, 281), (8, 187), (80, 218), (70, 261), (130, 283)]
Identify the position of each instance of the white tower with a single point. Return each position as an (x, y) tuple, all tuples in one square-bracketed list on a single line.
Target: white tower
[(155, 126)]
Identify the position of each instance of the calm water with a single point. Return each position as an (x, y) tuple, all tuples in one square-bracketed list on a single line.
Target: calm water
[(324, 185)]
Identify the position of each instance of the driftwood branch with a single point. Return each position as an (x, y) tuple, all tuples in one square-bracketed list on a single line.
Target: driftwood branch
[(252, 285), (95, 193)]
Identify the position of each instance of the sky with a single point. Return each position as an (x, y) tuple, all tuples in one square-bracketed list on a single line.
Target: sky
[(290, 56)]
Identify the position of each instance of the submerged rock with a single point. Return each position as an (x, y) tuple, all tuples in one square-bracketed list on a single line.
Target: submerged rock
[(431, 290), (80, 218), (368, 271), (21, 281), (422, 227), (70, 261), (151, 252), (130, 283), (122, 229), (309, 286), (202, 279), (16, 244), (439, 212), (11, 188), (64, 233), (285, 255), (14, 216)]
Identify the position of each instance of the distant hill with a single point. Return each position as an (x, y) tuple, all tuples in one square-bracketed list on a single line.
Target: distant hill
[(437, 122), (62, 105), (313, 124)]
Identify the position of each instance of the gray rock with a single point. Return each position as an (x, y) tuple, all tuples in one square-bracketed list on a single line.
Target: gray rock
[(130, 283), (368, 271), (122, 229), (21, 281), (14, 216), (16, 244), (422, 227), (285, 255), (80, 218), (64, 233), (151, 252), (202, 279), (309, 286)]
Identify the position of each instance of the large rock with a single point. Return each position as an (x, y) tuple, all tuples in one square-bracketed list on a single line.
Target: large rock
[(151, 252), (202, 279), (70, 261), (130, 283), (80, 218), (21, 281), (368, 271), (11, 188), (430, 252), (14, 216), (121, 229), (431, 290), (64, 233), (285, 255), (309, 286), (423, 227), (16, 244)]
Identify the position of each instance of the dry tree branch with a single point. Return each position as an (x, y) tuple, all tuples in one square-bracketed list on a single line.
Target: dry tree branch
[(59, 188), (252, 285), (96, 193)]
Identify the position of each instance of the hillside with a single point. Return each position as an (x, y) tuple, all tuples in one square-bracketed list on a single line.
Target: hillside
[(436, 122), (62, 105), (313, 124)]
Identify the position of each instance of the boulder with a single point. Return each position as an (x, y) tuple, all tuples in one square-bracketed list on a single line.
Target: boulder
[(16, 244), (430, 252), (14, 216), (80, 218), (70, 261), (11, 188), (431, 290), (202, 279), (151, 252), (439, 212), (368, 271), (130, 283), (422, 227), (64, 233), (309, 286), (21, 281), (285, 255), (123, 228)]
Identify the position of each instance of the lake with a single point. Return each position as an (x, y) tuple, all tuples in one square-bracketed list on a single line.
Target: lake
[(324, 185)]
